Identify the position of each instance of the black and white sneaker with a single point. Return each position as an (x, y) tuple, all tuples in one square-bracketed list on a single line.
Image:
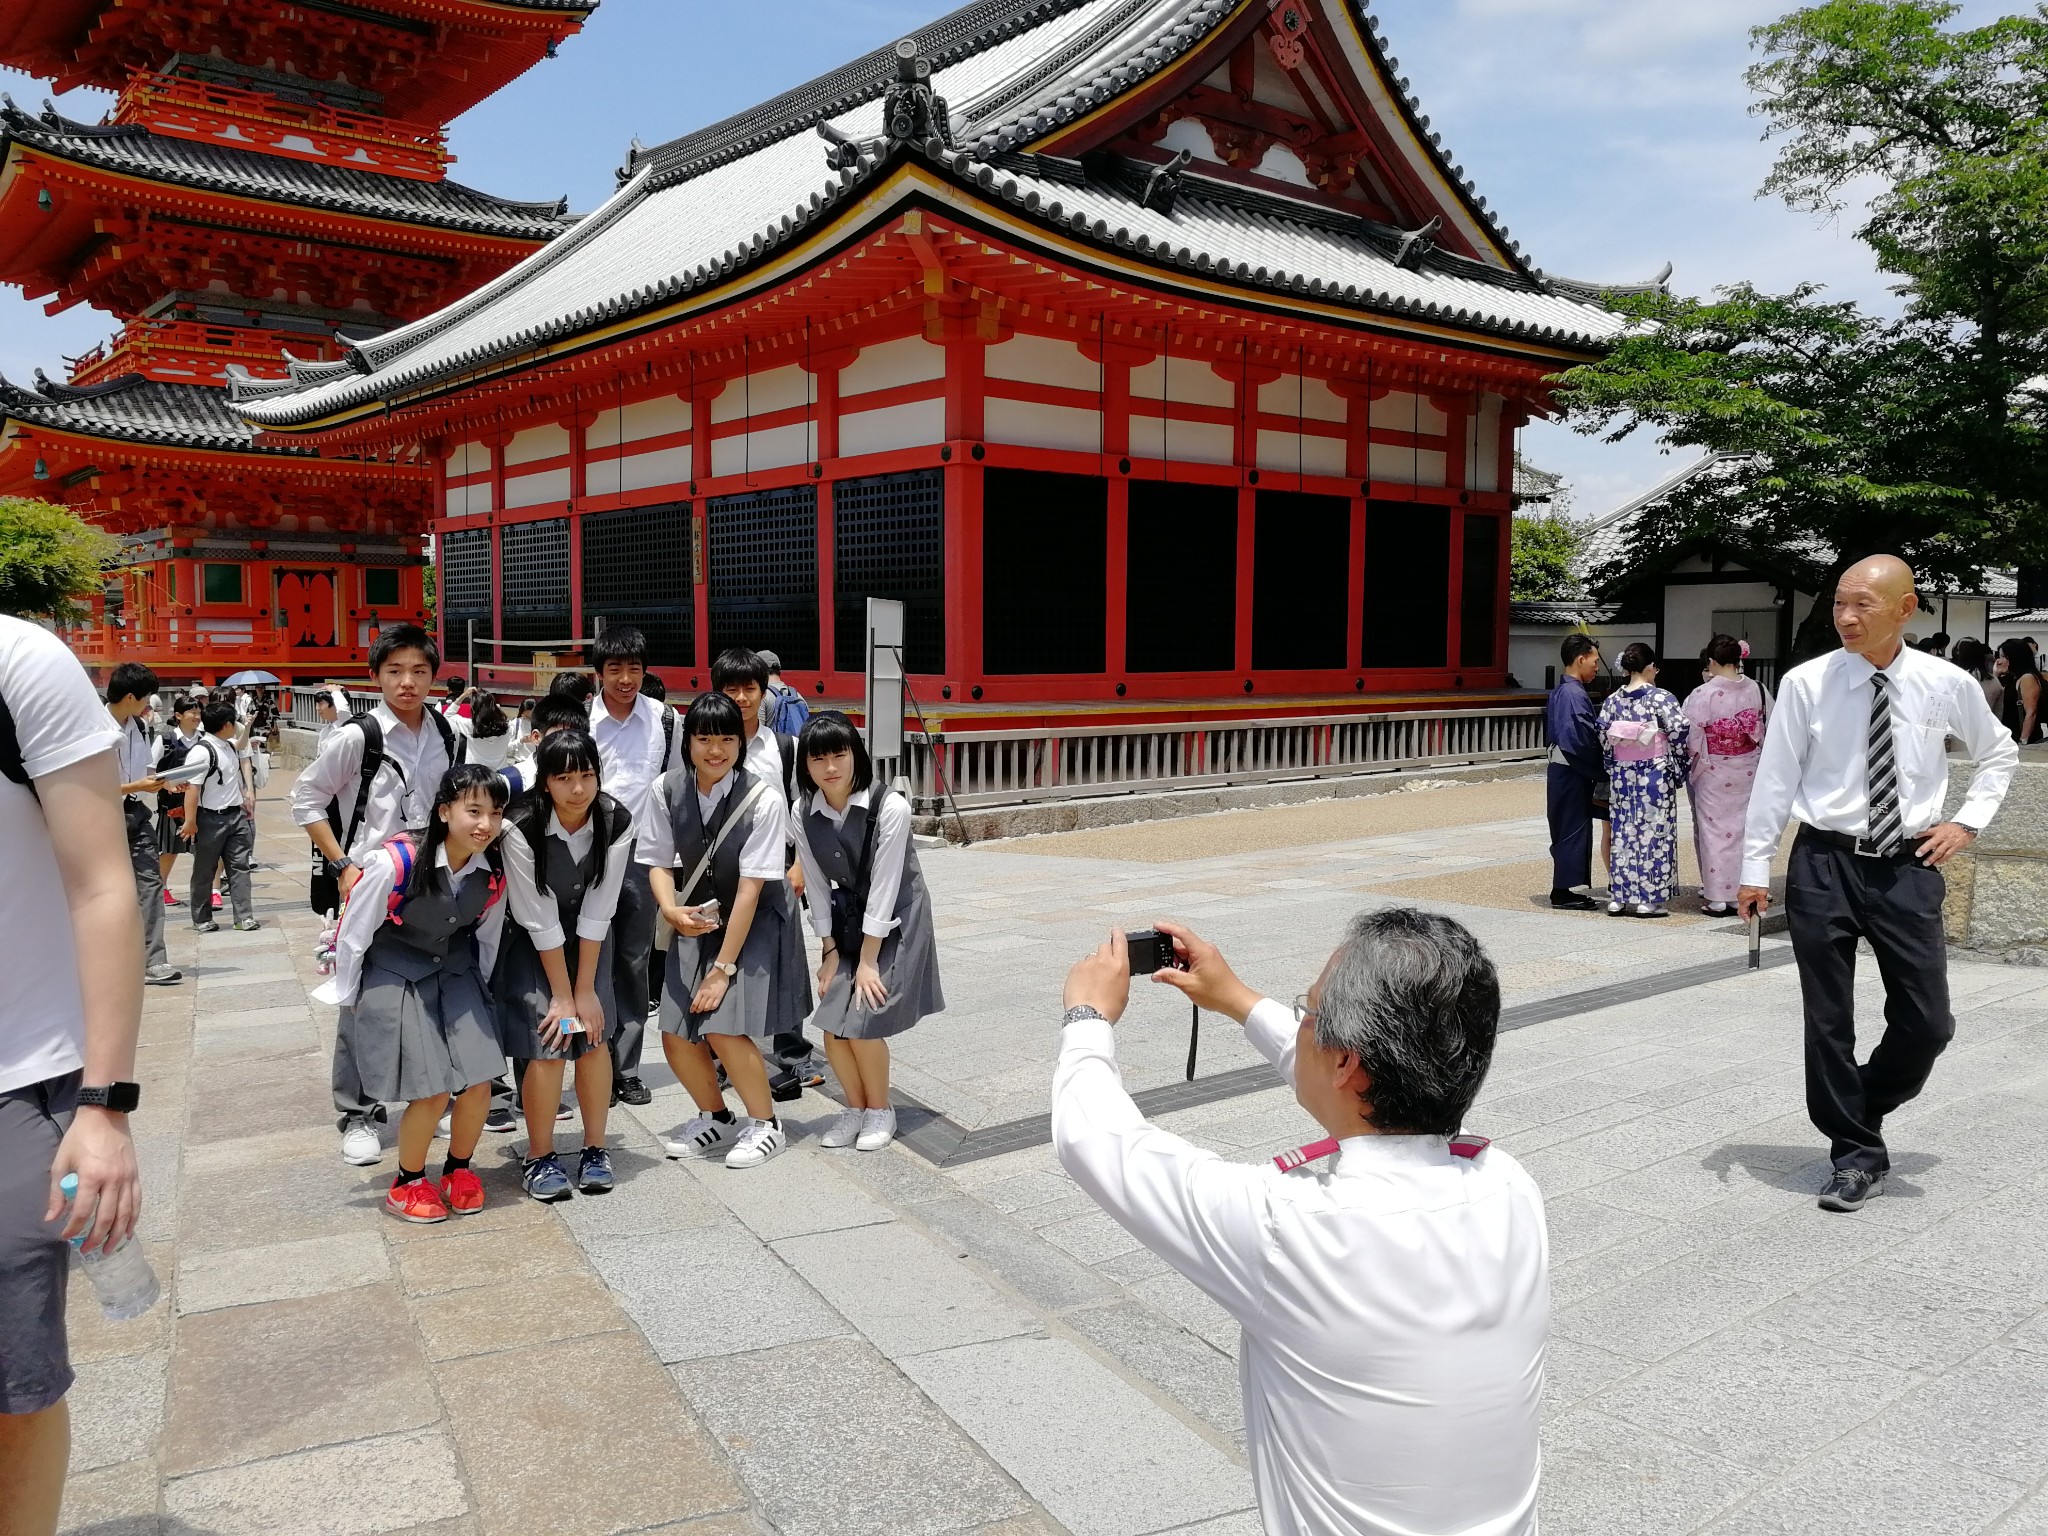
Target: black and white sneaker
[(1850, 1189), (700, 1138), (501, 1120), (630, 1090)]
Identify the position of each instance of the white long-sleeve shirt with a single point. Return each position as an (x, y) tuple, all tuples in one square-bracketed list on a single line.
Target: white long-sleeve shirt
[(1394, 1301), (1814, 766), (365, 912), (401, 796), (538, 913), (760, 855), (630, 752), (885, 877)]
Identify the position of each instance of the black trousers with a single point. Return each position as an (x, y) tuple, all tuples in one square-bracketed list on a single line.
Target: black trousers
[(1568, 799), (223, 837), (1834, 897), (632, 957)]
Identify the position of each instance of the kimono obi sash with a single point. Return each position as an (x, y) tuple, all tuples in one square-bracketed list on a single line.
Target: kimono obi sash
[(1735, 735), (1636, 741)]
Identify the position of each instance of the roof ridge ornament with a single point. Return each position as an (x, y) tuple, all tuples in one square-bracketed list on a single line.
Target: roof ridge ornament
[(1162, 185), (1417, 243), (844, 151), (911, 111)]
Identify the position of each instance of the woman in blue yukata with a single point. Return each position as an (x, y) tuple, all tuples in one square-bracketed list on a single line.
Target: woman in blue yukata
[(1643, 735)]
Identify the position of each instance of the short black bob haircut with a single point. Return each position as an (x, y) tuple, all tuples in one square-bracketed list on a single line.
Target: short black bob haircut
[(736, 666), (403, 637), (713, 714), (131, 680), (619, 642), (569, 750), (579, 686), (215, 714), (827, 732)]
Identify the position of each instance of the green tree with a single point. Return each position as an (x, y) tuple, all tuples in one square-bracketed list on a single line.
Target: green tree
[(1540, 560), (51, 560), (427, 588), (1842, 433)]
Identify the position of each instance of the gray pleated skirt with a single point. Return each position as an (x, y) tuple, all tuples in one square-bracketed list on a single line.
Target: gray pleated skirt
[(909, 963), (770, 995), (415, 1039), (521, 991)]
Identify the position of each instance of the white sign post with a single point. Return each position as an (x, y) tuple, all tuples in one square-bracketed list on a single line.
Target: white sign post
[(884, 700)]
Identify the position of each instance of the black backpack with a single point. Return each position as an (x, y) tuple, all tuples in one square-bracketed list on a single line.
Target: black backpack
[(11, 765), (325, 892), (176, 750)]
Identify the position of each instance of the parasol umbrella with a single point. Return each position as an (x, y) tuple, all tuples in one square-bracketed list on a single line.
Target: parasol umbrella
[(241, 678)]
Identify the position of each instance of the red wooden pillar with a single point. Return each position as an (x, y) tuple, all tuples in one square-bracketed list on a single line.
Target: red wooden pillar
[(490, 654), (1116, 444), (579, 425), (827, 450), (700, 521), (1245, 379), (966, 342), (1455, 409)]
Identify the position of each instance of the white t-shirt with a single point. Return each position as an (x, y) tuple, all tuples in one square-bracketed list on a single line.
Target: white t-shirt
[(59, 721)]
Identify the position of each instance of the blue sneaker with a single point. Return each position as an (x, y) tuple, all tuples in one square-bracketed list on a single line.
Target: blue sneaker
[(594, 1172), (545, 1179)]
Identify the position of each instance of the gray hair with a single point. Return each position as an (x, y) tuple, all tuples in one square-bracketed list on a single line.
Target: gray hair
[(1416, 1000)]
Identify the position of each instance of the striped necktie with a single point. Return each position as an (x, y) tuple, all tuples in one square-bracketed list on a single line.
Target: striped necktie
[(1884, 770)]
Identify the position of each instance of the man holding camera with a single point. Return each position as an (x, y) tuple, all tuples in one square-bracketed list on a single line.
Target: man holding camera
[(1392, 1282)]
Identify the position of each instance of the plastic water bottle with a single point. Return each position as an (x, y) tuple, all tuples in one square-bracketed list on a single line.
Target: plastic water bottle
[(121, 1278)]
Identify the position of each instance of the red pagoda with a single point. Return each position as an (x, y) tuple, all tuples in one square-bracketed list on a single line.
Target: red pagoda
[(270, 189), (1147, 350)]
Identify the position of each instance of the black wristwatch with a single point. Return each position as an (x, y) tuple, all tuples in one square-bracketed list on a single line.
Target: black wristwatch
[(122, 1098)]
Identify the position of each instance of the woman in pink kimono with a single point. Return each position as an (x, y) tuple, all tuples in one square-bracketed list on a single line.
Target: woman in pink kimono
[(1727, 712)]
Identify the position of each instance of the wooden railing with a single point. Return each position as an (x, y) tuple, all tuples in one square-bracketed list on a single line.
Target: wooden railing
[(995, 768)]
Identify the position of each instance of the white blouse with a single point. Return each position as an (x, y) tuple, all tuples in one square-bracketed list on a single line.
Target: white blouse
[(766, 838), (538, 913), (365, 912), (885, 877)]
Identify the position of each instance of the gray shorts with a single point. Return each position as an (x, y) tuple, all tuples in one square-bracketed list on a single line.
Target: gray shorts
[(35, 1364)]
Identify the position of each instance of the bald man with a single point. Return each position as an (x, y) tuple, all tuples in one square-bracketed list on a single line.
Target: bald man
[(1857, 755)]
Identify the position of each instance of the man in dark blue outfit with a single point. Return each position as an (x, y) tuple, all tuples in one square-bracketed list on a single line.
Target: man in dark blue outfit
[(1575, 767)]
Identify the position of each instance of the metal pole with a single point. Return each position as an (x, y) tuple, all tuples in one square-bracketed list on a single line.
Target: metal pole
[(469, 645)]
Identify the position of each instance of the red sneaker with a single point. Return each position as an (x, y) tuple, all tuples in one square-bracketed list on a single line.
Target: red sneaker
[(217, 903), (172, 901), (418, 1201), (463, 1191)]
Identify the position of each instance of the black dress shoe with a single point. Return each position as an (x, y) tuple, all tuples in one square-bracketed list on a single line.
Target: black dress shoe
[(631, 1090), (1850, 1188), (1572, 901)]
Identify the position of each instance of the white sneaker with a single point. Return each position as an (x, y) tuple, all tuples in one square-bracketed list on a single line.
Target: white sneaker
[(878, 1130), (699, 1137), (845, 1129), (761, 1140), (360, 1144), (447, 1119)]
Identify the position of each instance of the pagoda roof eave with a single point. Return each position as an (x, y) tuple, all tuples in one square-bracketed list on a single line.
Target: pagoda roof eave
[(132, 154), (1059, 220)]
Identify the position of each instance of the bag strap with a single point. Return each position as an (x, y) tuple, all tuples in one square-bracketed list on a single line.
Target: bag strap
[(373, 761), (11, 765), (739, 814), (785, 748), (668, 736)]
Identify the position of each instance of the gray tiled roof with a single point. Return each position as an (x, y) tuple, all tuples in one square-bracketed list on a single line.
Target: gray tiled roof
[(1569, 612), (136, 151), (704, 207), (135, 409)]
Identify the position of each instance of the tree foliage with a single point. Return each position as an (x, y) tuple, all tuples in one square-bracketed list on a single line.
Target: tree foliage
[(1849, 433), (51, 560), (1540, 560)]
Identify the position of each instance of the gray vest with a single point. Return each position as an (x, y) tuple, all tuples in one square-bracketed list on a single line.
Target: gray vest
[(436, 929), (692, 835)]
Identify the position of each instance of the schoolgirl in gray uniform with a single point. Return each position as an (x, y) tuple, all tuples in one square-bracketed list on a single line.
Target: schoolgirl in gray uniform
[(567, 845), (873, 915), (713, 837), (410, 977)]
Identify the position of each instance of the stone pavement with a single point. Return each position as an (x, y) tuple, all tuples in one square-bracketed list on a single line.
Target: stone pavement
[(842, 1343)]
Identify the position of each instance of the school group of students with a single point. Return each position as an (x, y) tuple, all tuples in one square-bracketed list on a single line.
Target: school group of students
[(723, 833)]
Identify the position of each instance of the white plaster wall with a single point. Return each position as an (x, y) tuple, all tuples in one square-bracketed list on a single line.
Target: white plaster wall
[(545, 442), (469, 459), (1311, 398), (1288, 451), (1689, 611), (906, 360), (1192, 380), (1031, 425), (1482, 445), (644, 418), (779, 389), (637, 471), (1531, 648), (776, 448), (1407, 466), (915, 423), (1402, 412), (532, 490), (1042, 360)]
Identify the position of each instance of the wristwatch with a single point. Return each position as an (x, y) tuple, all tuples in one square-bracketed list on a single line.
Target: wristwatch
[(1079, 1012), (726, 968), (122, 1098)]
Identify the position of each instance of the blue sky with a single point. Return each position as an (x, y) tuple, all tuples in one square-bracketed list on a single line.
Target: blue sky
[(1611, 136)]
